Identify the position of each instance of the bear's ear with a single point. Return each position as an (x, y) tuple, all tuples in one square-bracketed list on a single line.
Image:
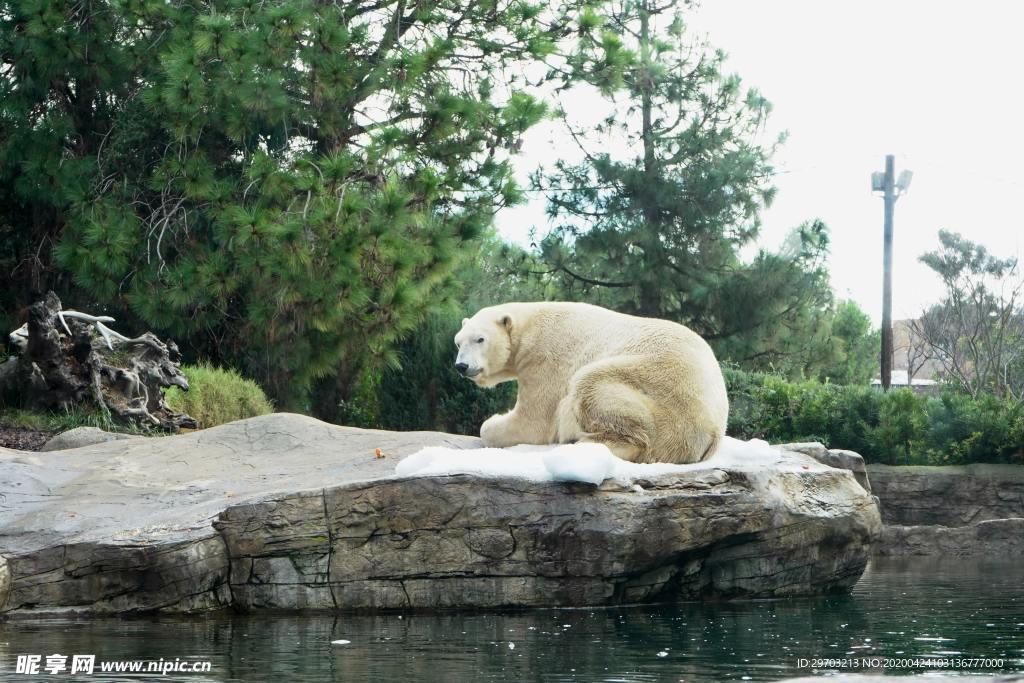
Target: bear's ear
[(506, 322), (464, 321)]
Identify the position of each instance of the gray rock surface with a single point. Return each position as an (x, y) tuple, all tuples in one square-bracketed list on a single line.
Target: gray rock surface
[(956, 510), (835, 457), (948, 495), (82, 436), (988, 538), (284, 511)]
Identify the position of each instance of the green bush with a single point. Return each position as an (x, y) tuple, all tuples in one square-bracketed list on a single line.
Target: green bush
[(216, 396), (899, 436), (975, 430), (898, 427)]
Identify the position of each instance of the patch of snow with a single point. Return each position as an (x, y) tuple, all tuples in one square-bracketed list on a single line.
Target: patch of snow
[(584, 462), (435, 461)]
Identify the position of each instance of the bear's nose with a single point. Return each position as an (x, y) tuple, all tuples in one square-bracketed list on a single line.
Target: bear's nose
[(462, 367)]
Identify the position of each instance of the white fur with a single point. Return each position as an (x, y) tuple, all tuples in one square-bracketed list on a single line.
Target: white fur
[(650, 390)]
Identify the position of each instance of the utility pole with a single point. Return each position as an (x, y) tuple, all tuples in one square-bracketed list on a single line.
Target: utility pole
[(891, 189)]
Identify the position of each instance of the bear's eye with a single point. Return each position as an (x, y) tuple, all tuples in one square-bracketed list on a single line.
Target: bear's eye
[(480, 340)]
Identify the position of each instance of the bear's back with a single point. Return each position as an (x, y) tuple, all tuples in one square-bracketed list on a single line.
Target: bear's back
[(607, 328)]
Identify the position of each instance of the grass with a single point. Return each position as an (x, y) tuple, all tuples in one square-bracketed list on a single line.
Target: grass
[(216, 396), (61, 421)]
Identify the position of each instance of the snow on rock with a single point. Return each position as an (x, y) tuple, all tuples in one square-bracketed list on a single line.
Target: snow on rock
[(587, 462), (435, 461), (578, 462)]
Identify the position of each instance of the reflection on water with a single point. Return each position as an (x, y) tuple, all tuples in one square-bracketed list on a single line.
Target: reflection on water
[(900, 609)]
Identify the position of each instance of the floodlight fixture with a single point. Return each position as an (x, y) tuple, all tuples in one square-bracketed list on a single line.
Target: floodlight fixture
[(878, 181), (903, 183)]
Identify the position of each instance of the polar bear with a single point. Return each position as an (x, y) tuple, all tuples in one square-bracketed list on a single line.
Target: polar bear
[(651, 390)]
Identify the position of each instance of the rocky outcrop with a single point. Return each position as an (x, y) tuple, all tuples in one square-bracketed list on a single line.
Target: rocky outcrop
[(82, 436), (833, 457), (951, 510), (989, 538), (948, 495), (283, 511)]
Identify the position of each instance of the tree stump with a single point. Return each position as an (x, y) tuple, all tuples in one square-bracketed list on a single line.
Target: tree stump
[(71, 357)]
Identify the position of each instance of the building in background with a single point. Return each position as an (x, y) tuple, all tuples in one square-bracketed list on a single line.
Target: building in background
[(914, 363)]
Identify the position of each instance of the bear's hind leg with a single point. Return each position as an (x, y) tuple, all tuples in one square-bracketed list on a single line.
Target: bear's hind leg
[(570, 431), (608, 409)]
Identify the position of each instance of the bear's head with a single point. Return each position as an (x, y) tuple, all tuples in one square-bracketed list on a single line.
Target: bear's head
[(485, 348)]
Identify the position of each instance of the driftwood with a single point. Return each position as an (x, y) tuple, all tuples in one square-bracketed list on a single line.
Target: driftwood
[(68, 357)]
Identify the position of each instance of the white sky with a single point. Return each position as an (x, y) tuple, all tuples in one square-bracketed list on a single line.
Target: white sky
[(935, 83)]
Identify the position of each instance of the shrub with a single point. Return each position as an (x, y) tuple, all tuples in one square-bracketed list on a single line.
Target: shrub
[(897, 427), (216, 396), (967, 430), (857, 409), (898, 437)]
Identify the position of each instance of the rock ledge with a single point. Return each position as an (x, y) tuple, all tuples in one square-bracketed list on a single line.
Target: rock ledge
[(286, 512)]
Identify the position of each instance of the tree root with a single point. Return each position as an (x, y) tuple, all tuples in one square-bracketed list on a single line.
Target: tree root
[(71, 357)]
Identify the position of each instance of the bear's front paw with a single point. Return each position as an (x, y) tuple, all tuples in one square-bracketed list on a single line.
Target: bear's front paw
[(491, 432), (487, 434)]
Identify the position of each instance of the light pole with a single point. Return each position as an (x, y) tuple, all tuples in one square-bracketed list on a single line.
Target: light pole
[(891, 189)]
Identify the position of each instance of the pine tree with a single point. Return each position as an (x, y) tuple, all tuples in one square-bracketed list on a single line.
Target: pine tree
[(857, 346), (426, 392), (285, 187), (659, 230)]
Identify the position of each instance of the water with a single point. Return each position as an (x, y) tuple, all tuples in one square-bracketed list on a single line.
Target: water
[(900, 609)]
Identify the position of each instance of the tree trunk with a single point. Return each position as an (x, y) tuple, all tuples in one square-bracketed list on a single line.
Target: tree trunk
[(649, 294)]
